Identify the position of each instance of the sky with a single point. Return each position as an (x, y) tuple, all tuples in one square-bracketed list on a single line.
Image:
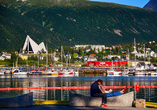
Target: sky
[(137, 3)]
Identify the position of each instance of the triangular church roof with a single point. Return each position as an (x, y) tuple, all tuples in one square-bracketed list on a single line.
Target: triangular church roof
[(35, 47)]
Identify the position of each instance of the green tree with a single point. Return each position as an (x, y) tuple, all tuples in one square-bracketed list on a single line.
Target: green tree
[(13, 56), (75, 55)]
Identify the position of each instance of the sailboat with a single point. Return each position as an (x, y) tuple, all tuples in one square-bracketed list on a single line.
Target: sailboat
[(48, 71), (18, 71), (113, 72), (67, 72)]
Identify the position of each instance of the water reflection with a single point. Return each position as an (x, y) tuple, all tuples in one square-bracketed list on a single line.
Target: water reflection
[(46, 81)]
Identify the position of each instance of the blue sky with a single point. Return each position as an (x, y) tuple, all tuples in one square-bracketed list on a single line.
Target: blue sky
[(138, 3)]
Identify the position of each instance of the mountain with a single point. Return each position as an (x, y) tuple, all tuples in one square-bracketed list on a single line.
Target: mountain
[(72, 22), (152, 4), (14, 28)]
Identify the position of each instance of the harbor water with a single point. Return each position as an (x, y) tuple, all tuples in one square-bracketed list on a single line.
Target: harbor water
[(14, 81)]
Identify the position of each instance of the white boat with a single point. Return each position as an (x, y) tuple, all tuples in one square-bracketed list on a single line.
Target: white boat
[(114, 73), (51, 73), (68, 73), (2, 72), (7, 71), (154, 73), (19, 72), (143, 73), (125, 73), (131, 72)]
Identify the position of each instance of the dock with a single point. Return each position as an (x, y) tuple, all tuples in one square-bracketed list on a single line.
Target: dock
[(60, 105), (66, 107)]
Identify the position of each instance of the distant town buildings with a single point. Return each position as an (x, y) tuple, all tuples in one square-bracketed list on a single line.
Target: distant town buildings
[(97, 48), (147, 51)]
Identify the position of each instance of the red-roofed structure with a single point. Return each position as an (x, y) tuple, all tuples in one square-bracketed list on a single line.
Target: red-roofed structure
[(92, 55), (106, 63)]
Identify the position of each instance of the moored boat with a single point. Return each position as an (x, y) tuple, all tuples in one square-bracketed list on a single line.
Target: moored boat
[(113, 72), (68, 73), (2, 72), (52, 73), (154, 73), (19, 72)]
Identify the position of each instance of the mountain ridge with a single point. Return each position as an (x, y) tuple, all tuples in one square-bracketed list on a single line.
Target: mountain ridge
[(152, 4), (85, 22)]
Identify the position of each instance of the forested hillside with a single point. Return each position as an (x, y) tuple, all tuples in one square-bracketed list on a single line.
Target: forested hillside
[(14, 28), (79, 22)]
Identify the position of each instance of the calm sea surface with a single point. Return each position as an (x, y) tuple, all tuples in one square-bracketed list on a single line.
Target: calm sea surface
[(46, 81)]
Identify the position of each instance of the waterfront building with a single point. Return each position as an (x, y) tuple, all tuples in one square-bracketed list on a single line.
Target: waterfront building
[(106, 63), (134, 63), (143, 66)]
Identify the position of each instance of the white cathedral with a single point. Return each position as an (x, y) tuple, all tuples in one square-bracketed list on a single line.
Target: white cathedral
[(32, 47)]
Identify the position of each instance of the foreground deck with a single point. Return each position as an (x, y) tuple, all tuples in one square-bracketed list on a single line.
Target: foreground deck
[(66, 107), (57, 102)]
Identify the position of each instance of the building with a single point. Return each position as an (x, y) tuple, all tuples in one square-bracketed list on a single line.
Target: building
[(81, 46), (92, 58), (23, 56), (5, 56), (134, 63), (127, 57), (106, 63), (85, 58), (30, 47), (111, 56), (140, 55), (143, 66), (98, 48), (135, 51)]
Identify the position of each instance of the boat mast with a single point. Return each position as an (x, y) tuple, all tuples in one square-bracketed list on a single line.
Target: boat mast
[(128, 60), (46, 56), (27, 52), (135, 48), (144, 54), (61, 57)]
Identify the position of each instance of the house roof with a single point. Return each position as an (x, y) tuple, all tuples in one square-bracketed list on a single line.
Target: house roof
[(6, 54), (142, 63), (92, 55), (127, 55)]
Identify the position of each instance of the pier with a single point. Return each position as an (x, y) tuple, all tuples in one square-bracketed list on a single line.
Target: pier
[(66, 107)]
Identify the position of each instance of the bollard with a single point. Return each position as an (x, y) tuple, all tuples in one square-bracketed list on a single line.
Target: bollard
[(140, 103)]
